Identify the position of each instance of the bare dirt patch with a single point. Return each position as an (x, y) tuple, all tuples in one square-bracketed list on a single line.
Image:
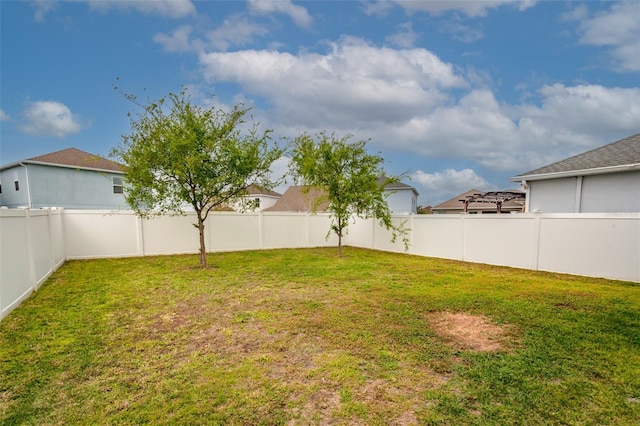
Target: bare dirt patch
[(467, 331)]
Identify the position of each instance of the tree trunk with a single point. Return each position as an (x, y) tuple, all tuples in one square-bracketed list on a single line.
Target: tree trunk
[(203, 250), (339, 232)]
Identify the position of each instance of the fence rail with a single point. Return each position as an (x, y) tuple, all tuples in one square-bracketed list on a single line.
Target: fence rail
[(34, 243)]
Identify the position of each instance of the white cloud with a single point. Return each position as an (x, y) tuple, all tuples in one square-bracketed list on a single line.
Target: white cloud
[(166, 8), (441, 186), (179, 40), (409, 100), (405, 37), (236, 30), (3, 116), (353, 83), (298, 14), (50, 118), (618, 28)]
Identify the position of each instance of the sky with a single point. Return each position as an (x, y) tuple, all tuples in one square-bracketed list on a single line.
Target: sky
[(453, 95)]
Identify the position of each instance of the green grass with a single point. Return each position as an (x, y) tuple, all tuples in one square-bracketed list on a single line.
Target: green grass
[(305, 337)]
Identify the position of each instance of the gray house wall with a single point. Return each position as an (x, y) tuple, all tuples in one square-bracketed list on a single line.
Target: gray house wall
[(9, 196), (402, 201), (601, 193), (51, 186), (611, 193)]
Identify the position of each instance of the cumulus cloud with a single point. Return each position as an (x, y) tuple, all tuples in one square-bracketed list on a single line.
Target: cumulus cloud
[(353, 82), (408, 99), (441, 186), (3, 116), (298, 14), (50, 118), (617, 28)]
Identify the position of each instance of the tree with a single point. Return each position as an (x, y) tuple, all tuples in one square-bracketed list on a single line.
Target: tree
[(180, 154), (348, 177)]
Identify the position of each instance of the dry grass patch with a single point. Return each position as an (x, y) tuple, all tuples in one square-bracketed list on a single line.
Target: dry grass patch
[(467, 331)]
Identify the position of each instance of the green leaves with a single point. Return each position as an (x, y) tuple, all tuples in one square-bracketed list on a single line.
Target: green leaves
[(353, 180), (179, 154)]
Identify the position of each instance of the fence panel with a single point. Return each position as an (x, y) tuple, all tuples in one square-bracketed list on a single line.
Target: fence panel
[(232, 231), (499, 240), (438, 236), (16, 281), (169, 235), (592, 245), (101, 233)]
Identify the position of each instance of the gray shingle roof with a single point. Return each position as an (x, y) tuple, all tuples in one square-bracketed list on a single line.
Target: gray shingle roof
[(620, 153)]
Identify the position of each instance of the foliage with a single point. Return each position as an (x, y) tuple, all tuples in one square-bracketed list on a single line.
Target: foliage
[(179, 154), (306, 337), (347, 176)]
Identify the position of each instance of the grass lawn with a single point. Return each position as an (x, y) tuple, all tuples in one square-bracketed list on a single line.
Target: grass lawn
[(304, 337)]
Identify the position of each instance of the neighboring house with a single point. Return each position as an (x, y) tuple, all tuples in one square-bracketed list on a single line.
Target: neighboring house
[(603, 180), (70, 178), (480, 202), (402, 199), (296, 199), (257, 199)]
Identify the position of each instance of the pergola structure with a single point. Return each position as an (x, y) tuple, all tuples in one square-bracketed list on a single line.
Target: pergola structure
[(494, 197)]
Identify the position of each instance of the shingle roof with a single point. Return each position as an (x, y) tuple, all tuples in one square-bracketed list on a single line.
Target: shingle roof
[(396, 185), (295, 199), (255, 190), (620, 153), (77, 158)]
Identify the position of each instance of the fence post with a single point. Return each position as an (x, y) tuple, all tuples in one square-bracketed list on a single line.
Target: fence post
[(463, 235), (535, 249), (140, 228), (32, 267)]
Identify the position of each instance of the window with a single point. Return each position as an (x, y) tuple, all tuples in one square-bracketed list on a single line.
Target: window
[(117, 185), (257, 202), (17, 185)]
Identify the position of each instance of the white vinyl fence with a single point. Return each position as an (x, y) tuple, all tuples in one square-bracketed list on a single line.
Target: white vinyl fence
[(36, 242)]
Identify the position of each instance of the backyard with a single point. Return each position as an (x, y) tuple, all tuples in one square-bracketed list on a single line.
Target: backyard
[(302, 336)]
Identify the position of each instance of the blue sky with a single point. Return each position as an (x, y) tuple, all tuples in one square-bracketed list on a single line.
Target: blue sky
[(457, 95)]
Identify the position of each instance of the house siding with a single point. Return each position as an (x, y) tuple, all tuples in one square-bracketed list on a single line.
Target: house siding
[(604, 193), (10, 197), (553, 195), (51, 186), (402, 201), (611, 193)]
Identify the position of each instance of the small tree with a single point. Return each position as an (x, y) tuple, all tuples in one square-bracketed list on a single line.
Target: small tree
[(347, 176), (180, 154)]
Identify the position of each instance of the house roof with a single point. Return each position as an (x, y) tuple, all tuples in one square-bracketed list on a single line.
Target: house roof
[(73, 157), (396, 186), (457, 203), (296, 199), (253, 190), (616, 156)]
